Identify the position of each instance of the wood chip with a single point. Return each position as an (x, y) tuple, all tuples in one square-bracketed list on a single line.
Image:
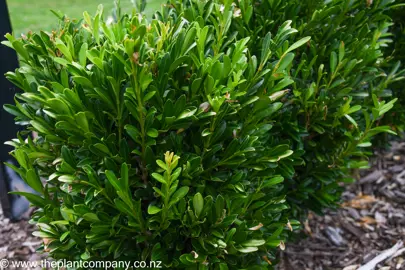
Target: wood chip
[(383, 256), (372, 220)]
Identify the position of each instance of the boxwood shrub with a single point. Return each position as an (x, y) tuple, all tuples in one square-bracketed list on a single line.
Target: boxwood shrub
[(198, 138), (153, 141), (338, 84)]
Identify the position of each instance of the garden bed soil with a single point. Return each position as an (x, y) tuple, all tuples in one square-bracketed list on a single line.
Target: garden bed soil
[(16, 240), (370, 221)]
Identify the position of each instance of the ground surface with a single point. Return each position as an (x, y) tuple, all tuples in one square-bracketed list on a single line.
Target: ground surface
[(371, 220), (16, 241), (35, 15)]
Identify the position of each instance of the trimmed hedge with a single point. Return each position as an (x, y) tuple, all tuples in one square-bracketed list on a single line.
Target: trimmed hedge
[(198, 139)]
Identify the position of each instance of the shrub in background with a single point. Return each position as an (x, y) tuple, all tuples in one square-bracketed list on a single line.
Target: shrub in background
[(396, 51), (155, 141), (337, 86)]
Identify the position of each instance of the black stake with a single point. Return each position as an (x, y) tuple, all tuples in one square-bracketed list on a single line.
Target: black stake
[(8, 62)]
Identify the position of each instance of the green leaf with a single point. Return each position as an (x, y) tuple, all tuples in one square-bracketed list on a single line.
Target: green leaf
[(149, 96), (187, 259), (19, 48), (365, 144), (113, 180), (351, 120), (81, 121), (253, 243), (272, 181), (13, 110), (58, 14), (92, 217), (64, 236), (133, 132), (281, 85), (93, 56), (85, 256), (250, 101), (161, 164), (40, 127), (34, 181), (153, 133), (124, 177), (247, 249), (61, 61), (187, 113), (103, 148), (66, 179), (297, 44), (124, 208), (158, 191), (22, 158), (58, 106), (159, 178), (68, 214), (206, 132), (341, 51), (96, 27), (82, 54), (198, 204), (83, 81), (285, 62), (333, 62), (354, 109), (266, 48), (64, 49), (385, 108), (178, 195), (152, 210), (43, 235)]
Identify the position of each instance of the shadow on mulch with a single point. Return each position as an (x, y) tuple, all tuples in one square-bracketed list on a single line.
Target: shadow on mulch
[(371, 220), (16, 240)]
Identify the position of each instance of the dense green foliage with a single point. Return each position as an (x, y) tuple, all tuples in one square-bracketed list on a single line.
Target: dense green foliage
[(396, 51), (339, 82), (197, 138), (110, 108)]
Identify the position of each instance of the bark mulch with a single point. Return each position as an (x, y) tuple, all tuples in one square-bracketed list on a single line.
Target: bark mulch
[(371, 221), (16, 240)]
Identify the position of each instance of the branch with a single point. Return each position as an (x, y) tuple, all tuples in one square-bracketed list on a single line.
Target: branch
[(383, 256)]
